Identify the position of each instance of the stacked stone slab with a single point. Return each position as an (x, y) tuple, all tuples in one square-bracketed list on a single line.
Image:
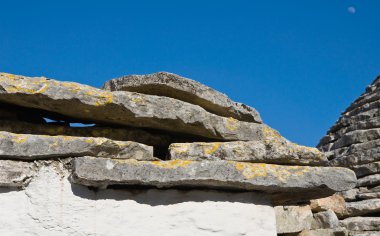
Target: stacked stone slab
[(353, 142), (159, 130)]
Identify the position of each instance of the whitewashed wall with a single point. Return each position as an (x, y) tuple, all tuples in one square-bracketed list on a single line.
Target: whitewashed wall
[(51, 205)]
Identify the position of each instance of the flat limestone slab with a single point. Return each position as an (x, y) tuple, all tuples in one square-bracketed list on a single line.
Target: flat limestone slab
[(361, 223), (274, 150), (122, 108), (15, 174), (184, 89), (32, 147), (101, 172), (361, 208), (366, 169), (51, 205)]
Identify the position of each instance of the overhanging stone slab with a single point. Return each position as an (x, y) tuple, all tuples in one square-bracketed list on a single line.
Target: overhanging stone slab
[(272, 149), (101, 172), (122, 108), (184, 89), (33, 147)]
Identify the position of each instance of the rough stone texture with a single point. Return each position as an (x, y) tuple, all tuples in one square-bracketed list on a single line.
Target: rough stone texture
[(15, 174), (123, 108), (292, 219), (325, 220), (364, 233), (349, 195), (355, 137), (272, 149), (184, 89), (340, 231), (361, 223), (310, 181), (32, 147), (50, 205), (335, 202), (368, 195), (369, 180), (366, 169), (361, 208)]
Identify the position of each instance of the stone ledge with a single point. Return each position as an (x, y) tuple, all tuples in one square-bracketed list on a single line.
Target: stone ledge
[(33, 147), (102, 172)]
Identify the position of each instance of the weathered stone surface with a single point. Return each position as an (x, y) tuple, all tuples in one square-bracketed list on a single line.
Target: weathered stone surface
[(340, 231), (363, 233), (369, 180), (123, 108), (361, 223), (184, 89), (349, 195), (366, 169), (32, 147), (16, 173), (335, 203), (368, 195), (292, 219), (272, 149), (325, 220), (356, 154), (361, 208), (315, 181), (51, 206), (354, 140)]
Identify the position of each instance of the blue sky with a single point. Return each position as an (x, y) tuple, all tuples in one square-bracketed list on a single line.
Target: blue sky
[(300, 63)]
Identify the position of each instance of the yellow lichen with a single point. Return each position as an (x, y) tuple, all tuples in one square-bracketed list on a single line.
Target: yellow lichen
[(211, 148), (180, 147), (250, 170), (232, 124), (171, 164), (19, 138)]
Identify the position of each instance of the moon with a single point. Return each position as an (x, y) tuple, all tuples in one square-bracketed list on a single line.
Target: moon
[(351, 10)]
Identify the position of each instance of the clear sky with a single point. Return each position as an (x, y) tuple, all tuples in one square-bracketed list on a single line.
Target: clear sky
[(300, 63)]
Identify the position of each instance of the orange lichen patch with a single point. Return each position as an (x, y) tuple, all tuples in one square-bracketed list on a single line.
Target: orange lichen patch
[(171, 164), (180, 147), (211, 148), (232, 124), (250, 170), (19, 138)]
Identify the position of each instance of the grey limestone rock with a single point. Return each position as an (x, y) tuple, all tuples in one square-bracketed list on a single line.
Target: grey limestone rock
[(273, 149), (33, 147), (292, 219), (16, 174), (369, 180), (325, 220), (302, 180), (363, 207), (122, 108), (184, 89), (361, 223)]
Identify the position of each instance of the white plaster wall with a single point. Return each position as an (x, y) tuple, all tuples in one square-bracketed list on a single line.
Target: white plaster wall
[(51, 205)]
